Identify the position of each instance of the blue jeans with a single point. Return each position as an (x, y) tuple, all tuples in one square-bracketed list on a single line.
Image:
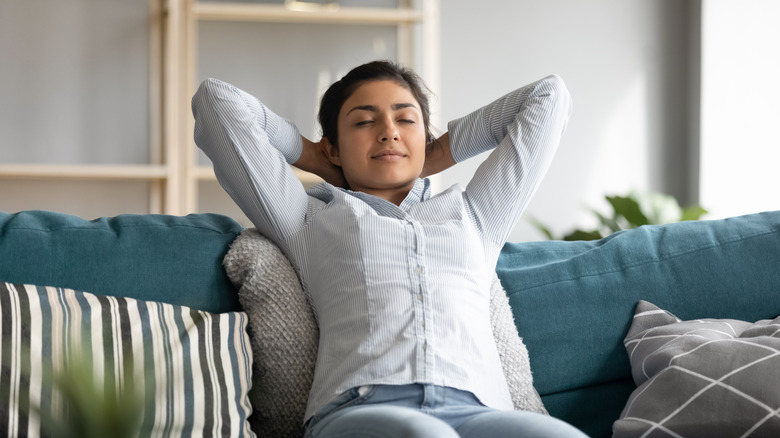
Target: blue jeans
[(416, 411)]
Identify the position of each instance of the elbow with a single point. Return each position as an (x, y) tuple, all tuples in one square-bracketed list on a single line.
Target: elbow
[(210, 86), (554, 81), (204, 111), (206, 93), (554, 88)]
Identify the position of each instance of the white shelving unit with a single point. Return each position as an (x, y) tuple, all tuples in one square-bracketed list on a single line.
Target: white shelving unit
[(84, 172), (162, 170), (404, 17), (173, 173)]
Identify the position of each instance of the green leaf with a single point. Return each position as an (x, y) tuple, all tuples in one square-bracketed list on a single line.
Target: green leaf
[(608, 222), (629, 209), (583, 235), (658, 208), (693, 213)]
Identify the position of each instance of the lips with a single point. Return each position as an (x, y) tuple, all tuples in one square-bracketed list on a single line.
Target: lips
[(388, 154)]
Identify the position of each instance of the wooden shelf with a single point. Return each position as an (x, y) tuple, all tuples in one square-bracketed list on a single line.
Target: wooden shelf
[(84, 172), (281, 14), (173, 49), (205, 173)]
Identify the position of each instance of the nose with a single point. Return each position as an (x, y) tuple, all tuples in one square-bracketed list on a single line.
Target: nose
[(388, 133)]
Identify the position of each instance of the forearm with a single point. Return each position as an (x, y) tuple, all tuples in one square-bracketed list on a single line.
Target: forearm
[(479, 131), (504, 183), (313, 159), (309, 160), (236, 104), (438, 157), (483, 129), (242, 145)]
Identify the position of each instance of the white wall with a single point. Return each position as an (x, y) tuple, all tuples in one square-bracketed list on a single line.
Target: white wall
[(740, 142), (74, 81), (74, 89), (629, 65), (626, 64)]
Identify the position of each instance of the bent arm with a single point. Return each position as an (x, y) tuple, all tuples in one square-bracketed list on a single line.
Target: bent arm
[(525, 128), (314, 159), (480, 131), (251, 151), (438, 157)]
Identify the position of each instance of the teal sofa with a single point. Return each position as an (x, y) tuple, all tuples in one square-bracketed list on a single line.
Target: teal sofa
[(573, 302)]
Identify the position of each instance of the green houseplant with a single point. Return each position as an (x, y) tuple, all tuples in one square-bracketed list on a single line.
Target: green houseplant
[(631, 211)]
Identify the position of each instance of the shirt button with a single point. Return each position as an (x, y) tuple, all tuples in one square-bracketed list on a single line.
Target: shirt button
[(418, 270), (420, 297), (425, 346)]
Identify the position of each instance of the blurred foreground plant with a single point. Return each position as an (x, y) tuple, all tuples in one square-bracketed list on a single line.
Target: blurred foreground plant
[(75, 403), (92, 407), (632, 211)]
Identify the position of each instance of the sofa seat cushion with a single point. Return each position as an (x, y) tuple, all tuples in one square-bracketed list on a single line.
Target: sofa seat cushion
[(170, 259), (704, 377), (74, 361)]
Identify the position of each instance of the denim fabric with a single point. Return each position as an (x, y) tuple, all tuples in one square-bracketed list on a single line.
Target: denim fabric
[(386, 411)]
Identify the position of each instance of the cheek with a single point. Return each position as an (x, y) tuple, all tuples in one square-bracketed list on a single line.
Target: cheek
[(418, 140), (352, 143), (351, 152)]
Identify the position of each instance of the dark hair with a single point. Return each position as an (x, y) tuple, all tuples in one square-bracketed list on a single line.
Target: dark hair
[(341, 90)]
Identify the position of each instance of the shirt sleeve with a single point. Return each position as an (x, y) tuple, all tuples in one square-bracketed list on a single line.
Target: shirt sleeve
[(524, 128), (251, 150)]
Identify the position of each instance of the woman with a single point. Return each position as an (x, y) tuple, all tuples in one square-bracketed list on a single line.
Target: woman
[(399, 280)]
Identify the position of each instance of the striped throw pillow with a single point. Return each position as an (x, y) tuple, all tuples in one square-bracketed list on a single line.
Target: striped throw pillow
[(186, 372)]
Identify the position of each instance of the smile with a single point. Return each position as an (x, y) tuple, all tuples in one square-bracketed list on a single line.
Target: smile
[(389, 155)]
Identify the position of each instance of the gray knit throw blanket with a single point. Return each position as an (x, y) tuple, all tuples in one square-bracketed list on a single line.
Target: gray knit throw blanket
[(284, 337)]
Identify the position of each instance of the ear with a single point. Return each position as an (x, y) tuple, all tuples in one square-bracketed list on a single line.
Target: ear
[(330, 151)]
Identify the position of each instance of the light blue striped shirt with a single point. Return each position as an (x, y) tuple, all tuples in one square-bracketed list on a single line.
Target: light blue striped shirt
[(401, 293)]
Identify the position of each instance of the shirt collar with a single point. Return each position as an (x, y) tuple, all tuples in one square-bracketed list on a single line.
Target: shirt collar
[(421, 191)]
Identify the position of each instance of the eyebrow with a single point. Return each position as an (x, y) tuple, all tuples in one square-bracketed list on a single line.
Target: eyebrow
[(375, 109)]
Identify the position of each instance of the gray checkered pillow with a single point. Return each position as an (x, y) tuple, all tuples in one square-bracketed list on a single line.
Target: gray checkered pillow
[(701, 378)]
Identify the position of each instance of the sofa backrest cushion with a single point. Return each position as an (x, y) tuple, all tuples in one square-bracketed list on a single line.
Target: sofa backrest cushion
[(573, 302), (170, 259)]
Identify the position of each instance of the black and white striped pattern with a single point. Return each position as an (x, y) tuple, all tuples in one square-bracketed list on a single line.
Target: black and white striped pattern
[(401, 292), (191, 368)]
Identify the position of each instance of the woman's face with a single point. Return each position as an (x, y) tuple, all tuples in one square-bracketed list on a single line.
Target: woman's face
[(381, 134)]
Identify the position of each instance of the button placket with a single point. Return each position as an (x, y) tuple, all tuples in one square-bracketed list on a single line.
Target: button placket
[(422, 306), (416, 271)]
